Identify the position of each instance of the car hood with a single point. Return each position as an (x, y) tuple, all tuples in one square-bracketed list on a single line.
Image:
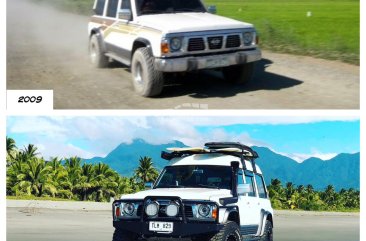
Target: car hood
[(189, 22), (183, 193)]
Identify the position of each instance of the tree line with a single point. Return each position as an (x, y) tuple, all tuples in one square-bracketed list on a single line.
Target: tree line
[(71, 178)]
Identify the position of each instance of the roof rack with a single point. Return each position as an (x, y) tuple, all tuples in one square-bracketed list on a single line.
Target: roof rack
[(229, 148), (220, 145)]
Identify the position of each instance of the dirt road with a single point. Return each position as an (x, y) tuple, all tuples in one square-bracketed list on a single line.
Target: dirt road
[(47, 49), (93, 222)]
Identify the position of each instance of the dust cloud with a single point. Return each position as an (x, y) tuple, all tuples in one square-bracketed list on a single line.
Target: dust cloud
[(32, 26)]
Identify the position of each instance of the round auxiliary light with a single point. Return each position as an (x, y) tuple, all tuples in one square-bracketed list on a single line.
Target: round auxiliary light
[(175, 44), (248, 38), (204, 210), (152, 209), (172, 210), (128, 208)]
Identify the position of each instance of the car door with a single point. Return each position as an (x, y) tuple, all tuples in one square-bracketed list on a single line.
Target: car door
[(249, 205), (118, 36)]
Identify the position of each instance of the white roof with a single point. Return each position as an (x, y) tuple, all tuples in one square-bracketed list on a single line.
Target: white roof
[(214, 159)]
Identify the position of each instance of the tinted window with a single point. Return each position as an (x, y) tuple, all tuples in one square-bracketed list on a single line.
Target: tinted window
[(240, 177), (168, 6), (196, 176), (112, 8), (126, 4), (99, 7), (261, 188), (249, 179)]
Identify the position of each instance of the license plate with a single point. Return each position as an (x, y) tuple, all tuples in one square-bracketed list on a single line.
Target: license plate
[(217, 62), (164, 227)]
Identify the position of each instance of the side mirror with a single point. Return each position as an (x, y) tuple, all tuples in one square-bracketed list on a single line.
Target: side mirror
[(212, 9), (149, 185), (125, 14), (244, 189)]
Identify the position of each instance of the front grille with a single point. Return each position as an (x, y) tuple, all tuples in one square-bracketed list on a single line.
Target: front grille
[(139, 210), (196, 44), (215, 42), (188, 211), (232, 41)]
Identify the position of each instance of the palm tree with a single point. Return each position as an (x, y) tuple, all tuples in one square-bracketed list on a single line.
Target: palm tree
[(73, 168), (35, 178), (58, 178), (105, 182), (86, 181), (146, 172), (30, 151), (10, 147)]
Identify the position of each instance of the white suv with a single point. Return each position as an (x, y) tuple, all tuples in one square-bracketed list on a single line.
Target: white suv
[(211, 193), (156, 37)]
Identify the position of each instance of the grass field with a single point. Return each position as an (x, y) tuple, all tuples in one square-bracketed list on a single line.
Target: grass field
[(331, 32)]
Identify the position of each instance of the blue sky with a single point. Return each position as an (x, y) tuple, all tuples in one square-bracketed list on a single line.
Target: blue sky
[(296, 137)]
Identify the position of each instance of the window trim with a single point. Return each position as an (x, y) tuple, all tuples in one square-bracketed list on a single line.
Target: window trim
[(264, 185)]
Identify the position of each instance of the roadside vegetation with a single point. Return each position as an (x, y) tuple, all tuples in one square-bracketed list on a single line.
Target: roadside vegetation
[(29, 176), (328, 29)]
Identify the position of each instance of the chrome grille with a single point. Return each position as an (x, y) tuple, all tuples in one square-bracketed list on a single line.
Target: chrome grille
[(232, 41), (215, 42), (196, 44)]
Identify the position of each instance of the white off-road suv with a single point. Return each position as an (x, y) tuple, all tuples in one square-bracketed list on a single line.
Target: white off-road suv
[(214, 193), (156, 37)]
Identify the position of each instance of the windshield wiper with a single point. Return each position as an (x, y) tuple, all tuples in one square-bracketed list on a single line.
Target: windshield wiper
[(207, 186), (170, 185)]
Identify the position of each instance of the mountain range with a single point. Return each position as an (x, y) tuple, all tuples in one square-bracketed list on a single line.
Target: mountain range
[(342, 171)]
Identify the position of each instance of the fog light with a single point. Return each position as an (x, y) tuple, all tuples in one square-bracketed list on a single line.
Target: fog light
[(152, 209), (172, 210)]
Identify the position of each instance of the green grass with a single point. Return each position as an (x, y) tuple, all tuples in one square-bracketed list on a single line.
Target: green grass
[(31, 197), (332, 32)]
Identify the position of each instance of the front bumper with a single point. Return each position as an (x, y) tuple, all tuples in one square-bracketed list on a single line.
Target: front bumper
[(180, 229), (181, 64)]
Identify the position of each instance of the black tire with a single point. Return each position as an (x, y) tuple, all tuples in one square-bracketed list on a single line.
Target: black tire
[(147, 81), (230, 232), (268, 232), (239, 74), (96, 54), (119, 235)]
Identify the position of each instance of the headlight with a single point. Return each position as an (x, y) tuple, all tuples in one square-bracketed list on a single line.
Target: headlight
[(175, 44), (248, 38), (152, 209), (128, 208), (204, 210), (172, 210)]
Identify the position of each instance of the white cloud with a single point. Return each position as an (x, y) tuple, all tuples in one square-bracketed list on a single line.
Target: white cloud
[(300, 157), (53, 134)]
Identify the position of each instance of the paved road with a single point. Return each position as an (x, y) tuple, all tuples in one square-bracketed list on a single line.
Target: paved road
[(47, 49), (36, 224)]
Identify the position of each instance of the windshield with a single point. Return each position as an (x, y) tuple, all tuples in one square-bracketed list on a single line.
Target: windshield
[(168, 6), (197, 176)]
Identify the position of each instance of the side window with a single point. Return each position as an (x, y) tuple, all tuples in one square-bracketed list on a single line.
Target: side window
[(99, 7), (260, 184), (240, 177), (126, 4), (249, 179), (112, 8)]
